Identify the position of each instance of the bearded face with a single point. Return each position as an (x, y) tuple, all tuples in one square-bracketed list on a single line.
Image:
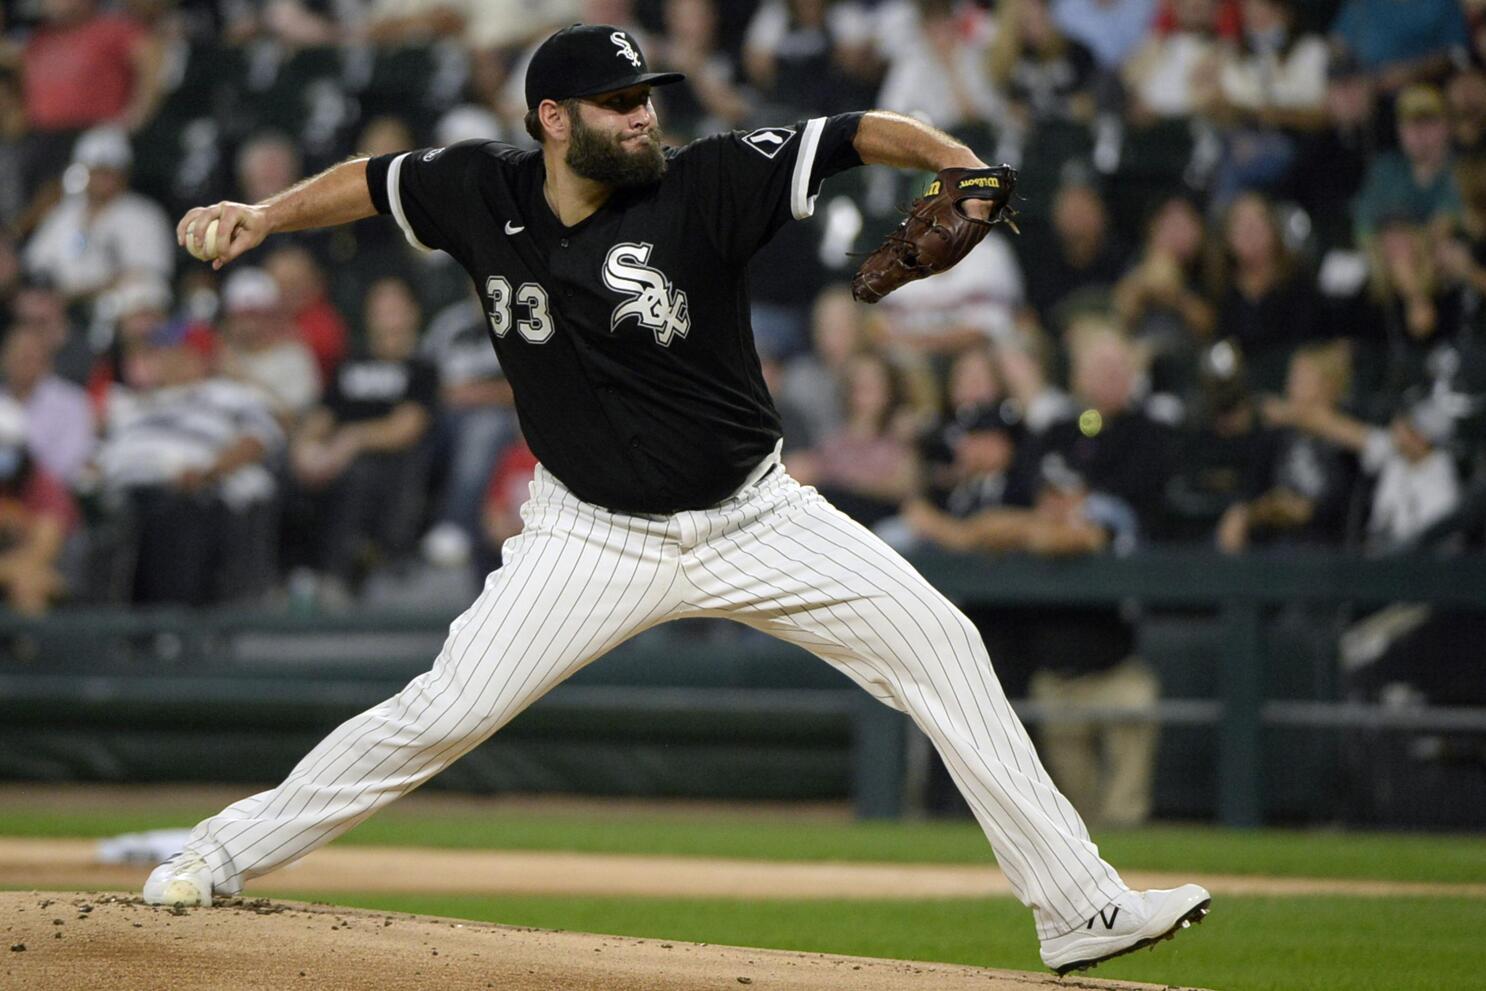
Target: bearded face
[(605, 157)]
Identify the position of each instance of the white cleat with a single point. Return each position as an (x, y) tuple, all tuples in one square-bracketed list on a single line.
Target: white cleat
[(1134, 920), (183, 880)]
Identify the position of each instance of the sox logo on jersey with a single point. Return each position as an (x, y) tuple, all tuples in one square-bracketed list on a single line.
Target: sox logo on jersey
[(654, 303)]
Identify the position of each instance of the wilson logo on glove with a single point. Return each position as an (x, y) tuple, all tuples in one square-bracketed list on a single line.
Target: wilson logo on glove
[(937, 232)]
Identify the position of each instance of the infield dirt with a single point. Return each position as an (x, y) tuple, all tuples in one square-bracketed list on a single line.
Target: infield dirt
[(55, 941)]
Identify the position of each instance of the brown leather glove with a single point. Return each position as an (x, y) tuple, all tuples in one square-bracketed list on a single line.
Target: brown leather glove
[(937, 232)]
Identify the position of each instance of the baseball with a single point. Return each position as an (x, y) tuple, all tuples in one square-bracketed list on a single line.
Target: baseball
[(208, 249)]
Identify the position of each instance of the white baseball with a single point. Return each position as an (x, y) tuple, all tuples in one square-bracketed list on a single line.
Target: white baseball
[(208, 249)]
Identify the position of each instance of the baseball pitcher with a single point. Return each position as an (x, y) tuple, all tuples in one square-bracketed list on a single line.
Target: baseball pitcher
[(613, 277)]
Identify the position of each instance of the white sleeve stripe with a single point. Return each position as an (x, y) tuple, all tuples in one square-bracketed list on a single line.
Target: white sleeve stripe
[(394, 197), (801, 203)]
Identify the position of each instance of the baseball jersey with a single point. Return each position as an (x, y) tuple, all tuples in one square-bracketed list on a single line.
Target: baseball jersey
[(625, 337)]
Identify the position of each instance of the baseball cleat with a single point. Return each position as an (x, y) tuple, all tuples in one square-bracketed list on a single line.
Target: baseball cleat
[(183, 880), (1134, 920)]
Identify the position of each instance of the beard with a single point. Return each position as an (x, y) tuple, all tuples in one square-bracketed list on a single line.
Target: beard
[(601, 157)]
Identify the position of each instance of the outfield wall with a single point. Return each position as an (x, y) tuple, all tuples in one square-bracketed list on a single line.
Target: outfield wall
[(1254, 726)]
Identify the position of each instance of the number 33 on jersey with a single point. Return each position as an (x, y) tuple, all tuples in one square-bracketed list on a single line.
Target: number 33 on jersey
[(608, 329)]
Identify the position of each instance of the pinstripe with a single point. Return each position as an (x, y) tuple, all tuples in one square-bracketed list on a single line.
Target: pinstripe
[(884, 674), (456, 658), (833, 524), (1006, 716), (330, 753), (896, 571), (375, 727), (840, 593)]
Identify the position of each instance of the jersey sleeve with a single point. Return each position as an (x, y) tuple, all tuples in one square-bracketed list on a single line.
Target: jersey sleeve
[(746, 185), (429, 192)]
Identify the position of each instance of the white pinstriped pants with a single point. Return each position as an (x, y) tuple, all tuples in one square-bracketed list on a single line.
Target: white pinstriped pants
[(579, 580)]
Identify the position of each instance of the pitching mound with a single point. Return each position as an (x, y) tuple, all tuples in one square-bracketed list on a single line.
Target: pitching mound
[(57, 941)]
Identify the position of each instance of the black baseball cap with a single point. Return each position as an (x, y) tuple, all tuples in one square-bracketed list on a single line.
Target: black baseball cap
[(584, 59)]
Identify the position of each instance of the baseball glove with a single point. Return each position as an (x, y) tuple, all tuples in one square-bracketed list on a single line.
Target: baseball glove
[(937, 232)]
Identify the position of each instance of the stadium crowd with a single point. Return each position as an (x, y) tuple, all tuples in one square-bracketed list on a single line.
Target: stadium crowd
[(1245, 309)]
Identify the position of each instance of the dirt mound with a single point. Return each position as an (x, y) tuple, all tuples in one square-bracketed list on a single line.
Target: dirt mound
[(68, 941)]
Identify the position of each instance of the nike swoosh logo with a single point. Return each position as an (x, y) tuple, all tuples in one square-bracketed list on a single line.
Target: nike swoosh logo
[(514, 230)]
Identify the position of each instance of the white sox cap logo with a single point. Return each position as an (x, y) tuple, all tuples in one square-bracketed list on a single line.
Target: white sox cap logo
[(626, 50), (655, 304)]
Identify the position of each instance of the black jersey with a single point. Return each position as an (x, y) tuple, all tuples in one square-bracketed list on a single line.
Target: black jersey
[(626, 337)]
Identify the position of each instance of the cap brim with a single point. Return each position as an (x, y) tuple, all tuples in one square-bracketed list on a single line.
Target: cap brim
[(638, 79)]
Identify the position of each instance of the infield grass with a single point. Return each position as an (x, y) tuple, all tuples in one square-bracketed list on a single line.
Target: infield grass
[(1246, 944), (1207, 849)]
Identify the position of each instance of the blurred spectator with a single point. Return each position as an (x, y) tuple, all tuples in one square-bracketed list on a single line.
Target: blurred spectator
[(1112, 29), (1159, 298), (476, 422), (1267, 301), (318, 323), (36, 516), (1466, 95), (1416, 312), (140, 305), (1415, 182), (806, 57), (867, 467), (812, 382), (39, 305), (361, 455), (477, 24), (935, 52), (188, 453), (1076, 264), (1417, 482), (1460, 254), (1271, 87), (1401, 43), (1226, 452), (84, 67), (1307, 496), (1043, 74), (260, 347), (103, 229), (1177, 73), (14, 193), (984, 470), (1084, 655), (973, 394), (1277, 75), (973, 302), (60, 434), (712, 97), (1111, 442), (267, 163), (1332, 162), (1086, 658), (11, 273)]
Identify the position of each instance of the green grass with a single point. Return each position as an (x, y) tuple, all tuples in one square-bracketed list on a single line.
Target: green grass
[(1303, 853), (1247, 944)]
